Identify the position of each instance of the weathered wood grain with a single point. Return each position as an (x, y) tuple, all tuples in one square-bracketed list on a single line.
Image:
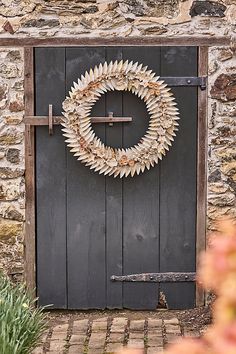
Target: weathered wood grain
[(178, 183), (29, 241), (116, 41), (201, 168), (50, 181)]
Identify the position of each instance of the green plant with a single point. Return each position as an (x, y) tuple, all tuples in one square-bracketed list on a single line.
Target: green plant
[(21, 324)]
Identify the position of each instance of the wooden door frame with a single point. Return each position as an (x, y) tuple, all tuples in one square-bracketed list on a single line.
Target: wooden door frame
[(30, 224)]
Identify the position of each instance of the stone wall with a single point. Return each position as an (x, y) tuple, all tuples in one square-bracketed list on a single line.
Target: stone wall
[(113, 18), (222, 134), (12, 196)]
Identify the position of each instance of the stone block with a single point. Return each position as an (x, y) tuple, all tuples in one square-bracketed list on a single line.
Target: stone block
[(80, 326), (11, 137), (10, 212), (13, 119), (116, 338), (99, 326), (97, 340), (13, 155), (224, 88), (137, 325), (77, 339), (172, 338), (113, 348), (119, 321), (154, 323), (155, 350), (16, 106), (136, 344), (75, 349), (57, 346), (8, 70), (8, 172), (9, 230), (171, 321), (208, 8), (154, 341)]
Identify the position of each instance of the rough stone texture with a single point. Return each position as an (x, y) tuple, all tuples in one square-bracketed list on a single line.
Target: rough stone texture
[(12, 197), (224, 88), (114, 18), (207, 8), (222, 133), (13, 155)]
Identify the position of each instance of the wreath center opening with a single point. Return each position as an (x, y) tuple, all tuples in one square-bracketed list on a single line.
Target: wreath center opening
[(126, 134)]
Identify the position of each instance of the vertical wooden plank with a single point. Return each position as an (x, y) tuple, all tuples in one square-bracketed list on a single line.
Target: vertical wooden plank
[(140, 199), (178, 182), (114, 242), (85, 205), (201, 167), (29, 172), (50, 181)]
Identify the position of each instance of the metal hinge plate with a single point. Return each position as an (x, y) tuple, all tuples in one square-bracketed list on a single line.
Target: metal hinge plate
[(155, 277), (200, 81)]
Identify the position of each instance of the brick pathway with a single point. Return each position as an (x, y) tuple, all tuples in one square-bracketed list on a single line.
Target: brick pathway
[(109, 335)]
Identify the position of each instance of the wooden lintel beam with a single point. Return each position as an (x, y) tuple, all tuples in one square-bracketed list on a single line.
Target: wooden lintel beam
[(117, 41)]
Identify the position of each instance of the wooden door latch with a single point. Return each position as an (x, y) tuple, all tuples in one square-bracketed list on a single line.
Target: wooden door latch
[(51, 120)]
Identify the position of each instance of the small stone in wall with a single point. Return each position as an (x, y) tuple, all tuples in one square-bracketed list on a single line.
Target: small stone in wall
[(13, 155), (229, 169), (7, 172), (14, 55), (3, 91), (225, 53), (16, 8), (226, 154), (11, 137), (42, 23), (208, 8), (2, 154), (12, 213), (218, 188), (10, 190), (9, 230), (8, 27), (3, 96), (224, 88), (214, 176), (154, 30), (152, 8), (212, 67), (225, 199), (90, 9), (224, 131), (9, 70), (18, 85), (16, 106), (13, 120)]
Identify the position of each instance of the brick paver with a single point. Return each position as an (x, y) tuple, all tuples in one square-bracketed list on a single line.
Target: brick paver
[(109, 335), (58, 339), (172, 329), (137, 325)]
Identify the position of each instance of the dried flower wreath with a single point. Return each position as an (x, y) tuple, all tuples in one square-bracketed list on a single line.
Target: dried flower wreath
[(122, 76)]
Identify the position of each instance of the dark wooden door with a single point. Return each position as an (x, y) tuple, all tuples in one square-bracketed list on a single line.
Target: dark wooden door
[(90, 227)]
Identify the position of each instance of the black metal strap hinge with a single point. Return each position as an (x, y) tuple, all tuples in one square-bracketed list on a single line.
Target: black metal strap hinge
[(155, 277), (200, 81)]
